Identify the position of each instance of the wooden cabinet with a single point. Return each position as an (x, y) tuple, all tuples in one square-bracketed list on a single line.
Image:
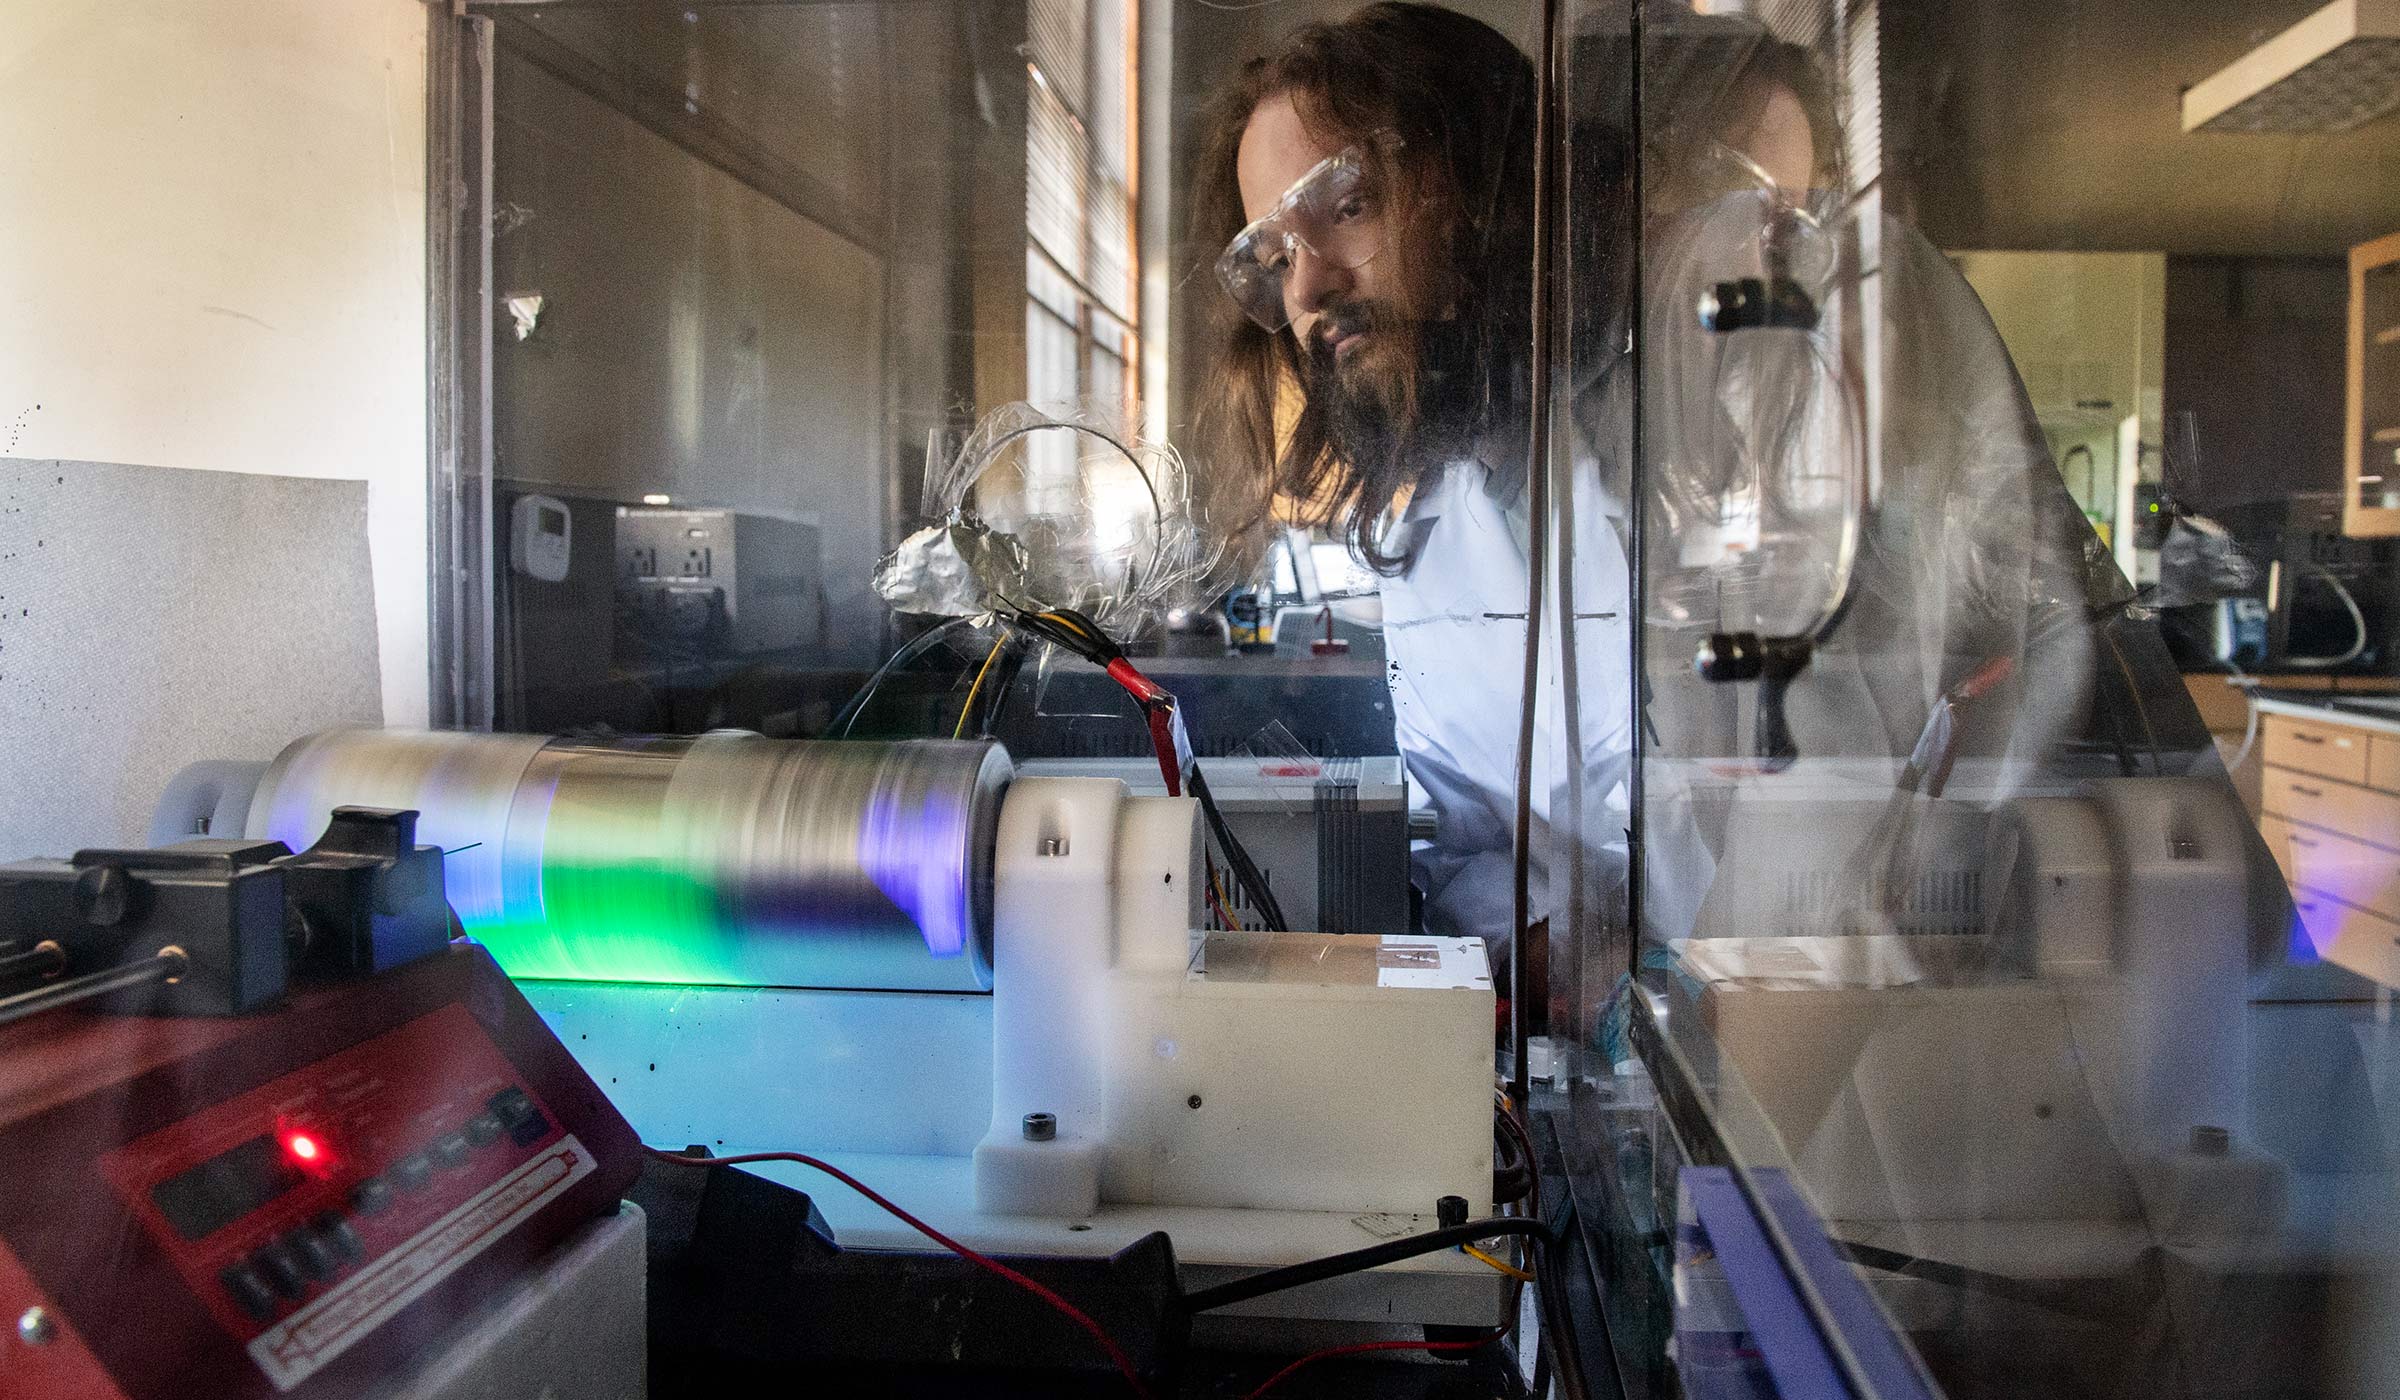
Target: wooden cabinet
[(2365, 943), (2383, 762), (2329, 797), (2353, 872), (2328, 750), (2371, 449), (2327, 805)]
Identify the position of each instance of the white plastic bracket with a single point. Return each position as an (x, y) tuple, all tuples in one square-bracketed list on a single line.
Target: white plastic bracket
[(1083, 876)]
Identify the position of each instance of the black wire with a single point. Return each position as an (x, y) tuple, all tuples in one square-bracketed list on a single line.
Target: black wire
[(1553, 1308), (1258, 1285), (1245, 870), (1516, 1155), (1080, 635), (1068, 629), (839, 727), (1552, 1312)]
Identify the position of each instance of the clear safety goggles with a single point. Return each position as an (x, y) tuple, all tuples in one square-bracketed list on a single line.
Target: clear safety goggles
[(1332, 211)]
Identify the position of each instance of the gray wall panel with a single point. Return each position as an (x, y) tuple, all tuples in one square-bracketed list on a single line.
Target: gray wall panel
[(697, 339), (156, 615)]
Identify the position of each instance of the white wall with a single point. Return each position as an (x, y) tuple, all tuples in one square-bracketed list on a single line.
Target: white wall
[(212, 255)]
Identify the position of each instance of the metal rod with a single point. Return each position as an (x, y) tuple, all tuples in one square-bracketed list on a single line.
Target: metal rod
[(43, 959), (168, 965), (1258, 1285), (1537, 562), (1637, 516)]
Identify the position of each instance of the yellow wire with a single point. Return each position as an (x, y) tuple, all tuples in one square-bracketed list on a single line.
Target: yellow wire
[(1501, 1264), (973, 690), (1223, 903), (1070, 624)]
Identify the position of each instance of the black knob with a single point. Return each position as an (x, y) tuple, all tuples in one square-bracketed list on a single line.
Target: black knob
[(1450, 1210), (105, 894), (1730, 656)]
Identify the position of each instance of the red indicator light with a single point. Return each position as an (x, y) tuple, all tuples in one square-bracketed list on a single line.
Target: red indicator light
[(303, 1147)]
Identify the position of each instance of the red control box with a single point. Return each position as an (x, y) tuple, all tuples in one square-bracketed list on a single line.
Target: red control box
[(290, 1203)]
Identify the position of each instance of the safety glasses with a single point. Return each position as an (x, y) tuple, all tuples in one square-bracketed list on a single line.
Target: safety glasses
[(1334, 212)]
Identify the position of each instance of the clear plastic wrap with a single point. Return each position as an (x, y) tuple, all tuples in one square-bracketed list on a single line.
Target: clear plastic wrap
[(1060, 512)]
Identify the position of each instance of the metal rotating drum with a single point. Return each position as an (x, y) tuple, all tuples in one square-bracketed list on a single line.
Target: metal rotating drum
[(727, 859)]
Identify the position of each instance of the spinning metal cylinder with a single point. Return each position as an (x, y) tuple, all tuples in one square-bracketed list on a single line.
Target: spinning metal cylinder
[(727, 859)]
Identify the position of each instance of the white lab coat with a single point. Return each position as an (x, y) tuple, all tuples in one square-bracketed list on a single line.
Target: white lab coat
[(1455, 634)]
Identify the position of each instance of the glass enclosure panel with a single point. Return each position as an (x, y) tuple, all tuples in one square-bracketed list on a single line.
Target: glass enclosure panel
[(1851, 546), (1969, 406), (791, 297)]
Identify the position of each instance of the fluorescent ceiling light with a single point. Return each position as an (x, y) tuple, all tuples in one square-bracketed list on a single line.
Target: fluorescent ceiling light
[(2334, 70)]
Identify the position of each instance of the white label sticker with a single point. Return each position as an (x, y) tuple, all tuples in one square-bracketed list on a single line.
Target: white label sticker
[(304, 1343)]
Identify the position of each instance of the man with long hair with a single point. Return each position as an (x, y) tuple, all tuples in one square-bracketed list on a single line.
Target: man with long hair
[(1366, 191), (1388, 160)]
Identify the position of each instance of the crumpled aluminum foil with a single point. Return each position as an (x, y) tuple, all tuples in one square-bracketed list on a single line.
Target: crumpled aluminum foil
[(955, 569)]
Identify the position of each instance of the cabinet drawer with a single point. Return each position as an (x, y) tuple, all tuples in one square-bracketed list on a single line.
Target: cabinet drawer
[(2350, 871), (2383, 763), (2338, 807), (2277, 833), (2365, 943), (2327, 750)]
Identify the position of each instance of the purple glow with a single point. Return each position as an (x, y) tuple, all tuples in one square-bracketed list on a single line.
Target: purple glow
[(915, 858)]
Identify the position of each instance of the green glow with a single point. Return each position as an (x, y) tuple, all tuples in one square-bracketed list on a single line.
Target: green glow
[(728, 862), (625, 923), (619, 898)]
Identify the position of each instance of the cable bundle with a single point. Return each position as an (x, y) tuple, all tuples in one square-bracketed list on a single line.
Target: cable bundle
[(1075, 633)]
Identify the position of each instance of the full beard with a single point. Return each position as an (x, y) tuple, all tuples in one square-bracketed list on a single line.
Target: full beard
[(1381, 423)]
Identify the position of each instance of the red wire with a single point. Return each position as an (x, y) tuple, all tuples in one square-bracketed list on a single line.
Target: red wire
[(1143, 688), (1162, 739), (1158, 708), (1116, 1354), (1356, 1348), (1223, 916)]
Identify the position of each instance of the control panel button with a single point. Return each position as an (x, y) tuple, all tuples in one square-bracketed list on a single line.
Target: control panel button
[(340, 1238), (526, 1123), (315, 1255), (483, 1129), (411, 1171), (275, 1263), (370, 1195), (249, 1292), (450, 1150)]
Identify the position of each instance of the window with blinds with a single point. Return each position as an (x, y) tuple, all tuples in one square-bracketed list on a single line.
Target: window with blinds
[(1080, 273)]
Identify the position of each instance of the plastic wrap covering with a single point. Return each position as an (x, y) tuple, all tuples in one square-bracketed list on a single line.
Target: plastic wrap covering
[(725, 859), (1068, 514)]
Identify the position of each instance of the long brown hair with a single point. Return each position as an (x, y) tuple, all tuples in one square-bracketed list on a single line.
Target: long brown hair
[(1458, 189)]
